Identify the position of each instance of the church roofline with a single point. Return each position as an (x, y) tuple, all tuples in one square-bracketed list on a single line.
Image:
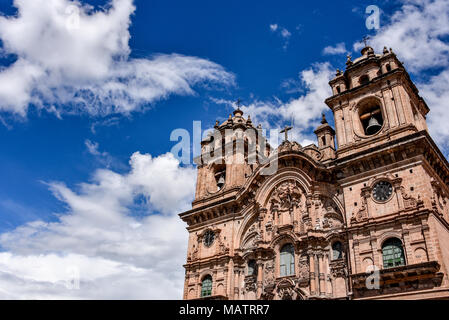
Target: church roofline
[(381, 77), (232, 195)]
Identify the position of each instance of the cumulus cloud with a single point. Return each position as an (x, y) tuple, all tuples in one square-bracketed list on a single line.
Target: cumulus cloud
[(72, 58), (339, 48), (117, 252), (436, 94), (418, 34)]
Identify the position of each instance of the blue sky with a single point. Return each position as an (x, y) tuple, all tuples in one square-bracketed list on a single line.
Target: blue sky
[(57, 155), (233, 34)]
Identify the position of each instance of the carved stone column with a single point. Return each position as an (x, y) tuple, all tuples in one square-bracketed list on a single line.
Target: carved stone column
[(275, 213), (259, 278), (236, 284), (322, 280), (307, 213), (226, 276), (327, 276), (198, 285), (317, 274), (261, 218), (312, 274)]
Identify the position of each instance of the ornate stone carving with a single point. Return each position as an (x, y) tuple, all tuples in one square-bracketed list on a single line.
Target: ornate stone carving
[(338, 269), (327, 223), (193, 255), (268, 278), (250, 283), (289, 146), (268, 293), (288, 289), (286, 196), (360, 215), (313, 153), (409, 201), (252, 228), (286, 293), (438, 200), (222, 249), (304, 274)]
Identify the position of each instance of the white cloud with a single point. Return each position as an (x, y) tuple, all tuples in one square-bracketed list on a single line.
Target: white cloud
[(339, 48), (304, 111), (273, 27), (436, 94), (92, 147), (119, 253), (282, 33), (418, 34), (77, 59), (103, 157), (285, 33)]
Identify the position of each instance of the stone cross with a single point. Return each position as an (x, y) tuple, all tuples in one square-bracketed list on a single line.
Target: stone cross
[(238, 103), (286, 130), (365, 40)]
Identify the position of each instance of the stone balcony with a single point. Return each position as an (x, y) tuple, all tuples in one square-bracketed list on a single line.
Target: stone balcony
[(395, 280)]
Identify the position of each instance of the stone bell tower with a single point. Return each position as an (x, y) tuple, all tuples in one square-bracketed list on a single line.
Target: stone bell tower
[(229, 155), (387, 165), (374, 101), (370, 200)]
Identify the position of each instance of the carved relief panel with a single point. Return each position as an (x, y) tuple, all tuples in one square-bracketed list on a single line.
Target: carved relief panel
[(285, 203)]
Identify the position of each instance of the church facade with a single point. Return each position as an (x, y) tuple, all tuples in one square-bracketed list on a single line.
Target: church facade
[(364, 214)]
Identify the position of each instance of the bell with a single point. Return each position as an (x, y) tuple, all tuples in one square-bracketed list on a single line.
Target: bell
[(373, 126), (220, 182)]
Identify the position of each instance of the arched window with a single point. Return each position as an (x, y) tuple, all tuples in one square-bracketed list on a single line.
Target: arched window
[(252, 268), (388, 67), (206, 286), (287, 267), (392, 253), (337, 251)]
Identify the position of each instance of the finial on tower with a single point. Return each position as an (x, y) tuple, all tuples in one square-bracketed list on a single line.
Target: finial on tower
[(348, 61), (238, 111), (249, 122), (323, 118), (367, 50)]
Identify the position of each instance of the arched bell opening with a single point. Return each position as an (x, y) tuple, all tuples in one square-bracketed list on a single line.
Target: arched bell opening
[(371, 118), (220, 176)]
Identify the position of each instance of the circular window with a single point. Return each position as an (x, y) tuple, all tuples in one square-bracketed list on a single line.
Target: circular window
[(209, 238), (382, 191)]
